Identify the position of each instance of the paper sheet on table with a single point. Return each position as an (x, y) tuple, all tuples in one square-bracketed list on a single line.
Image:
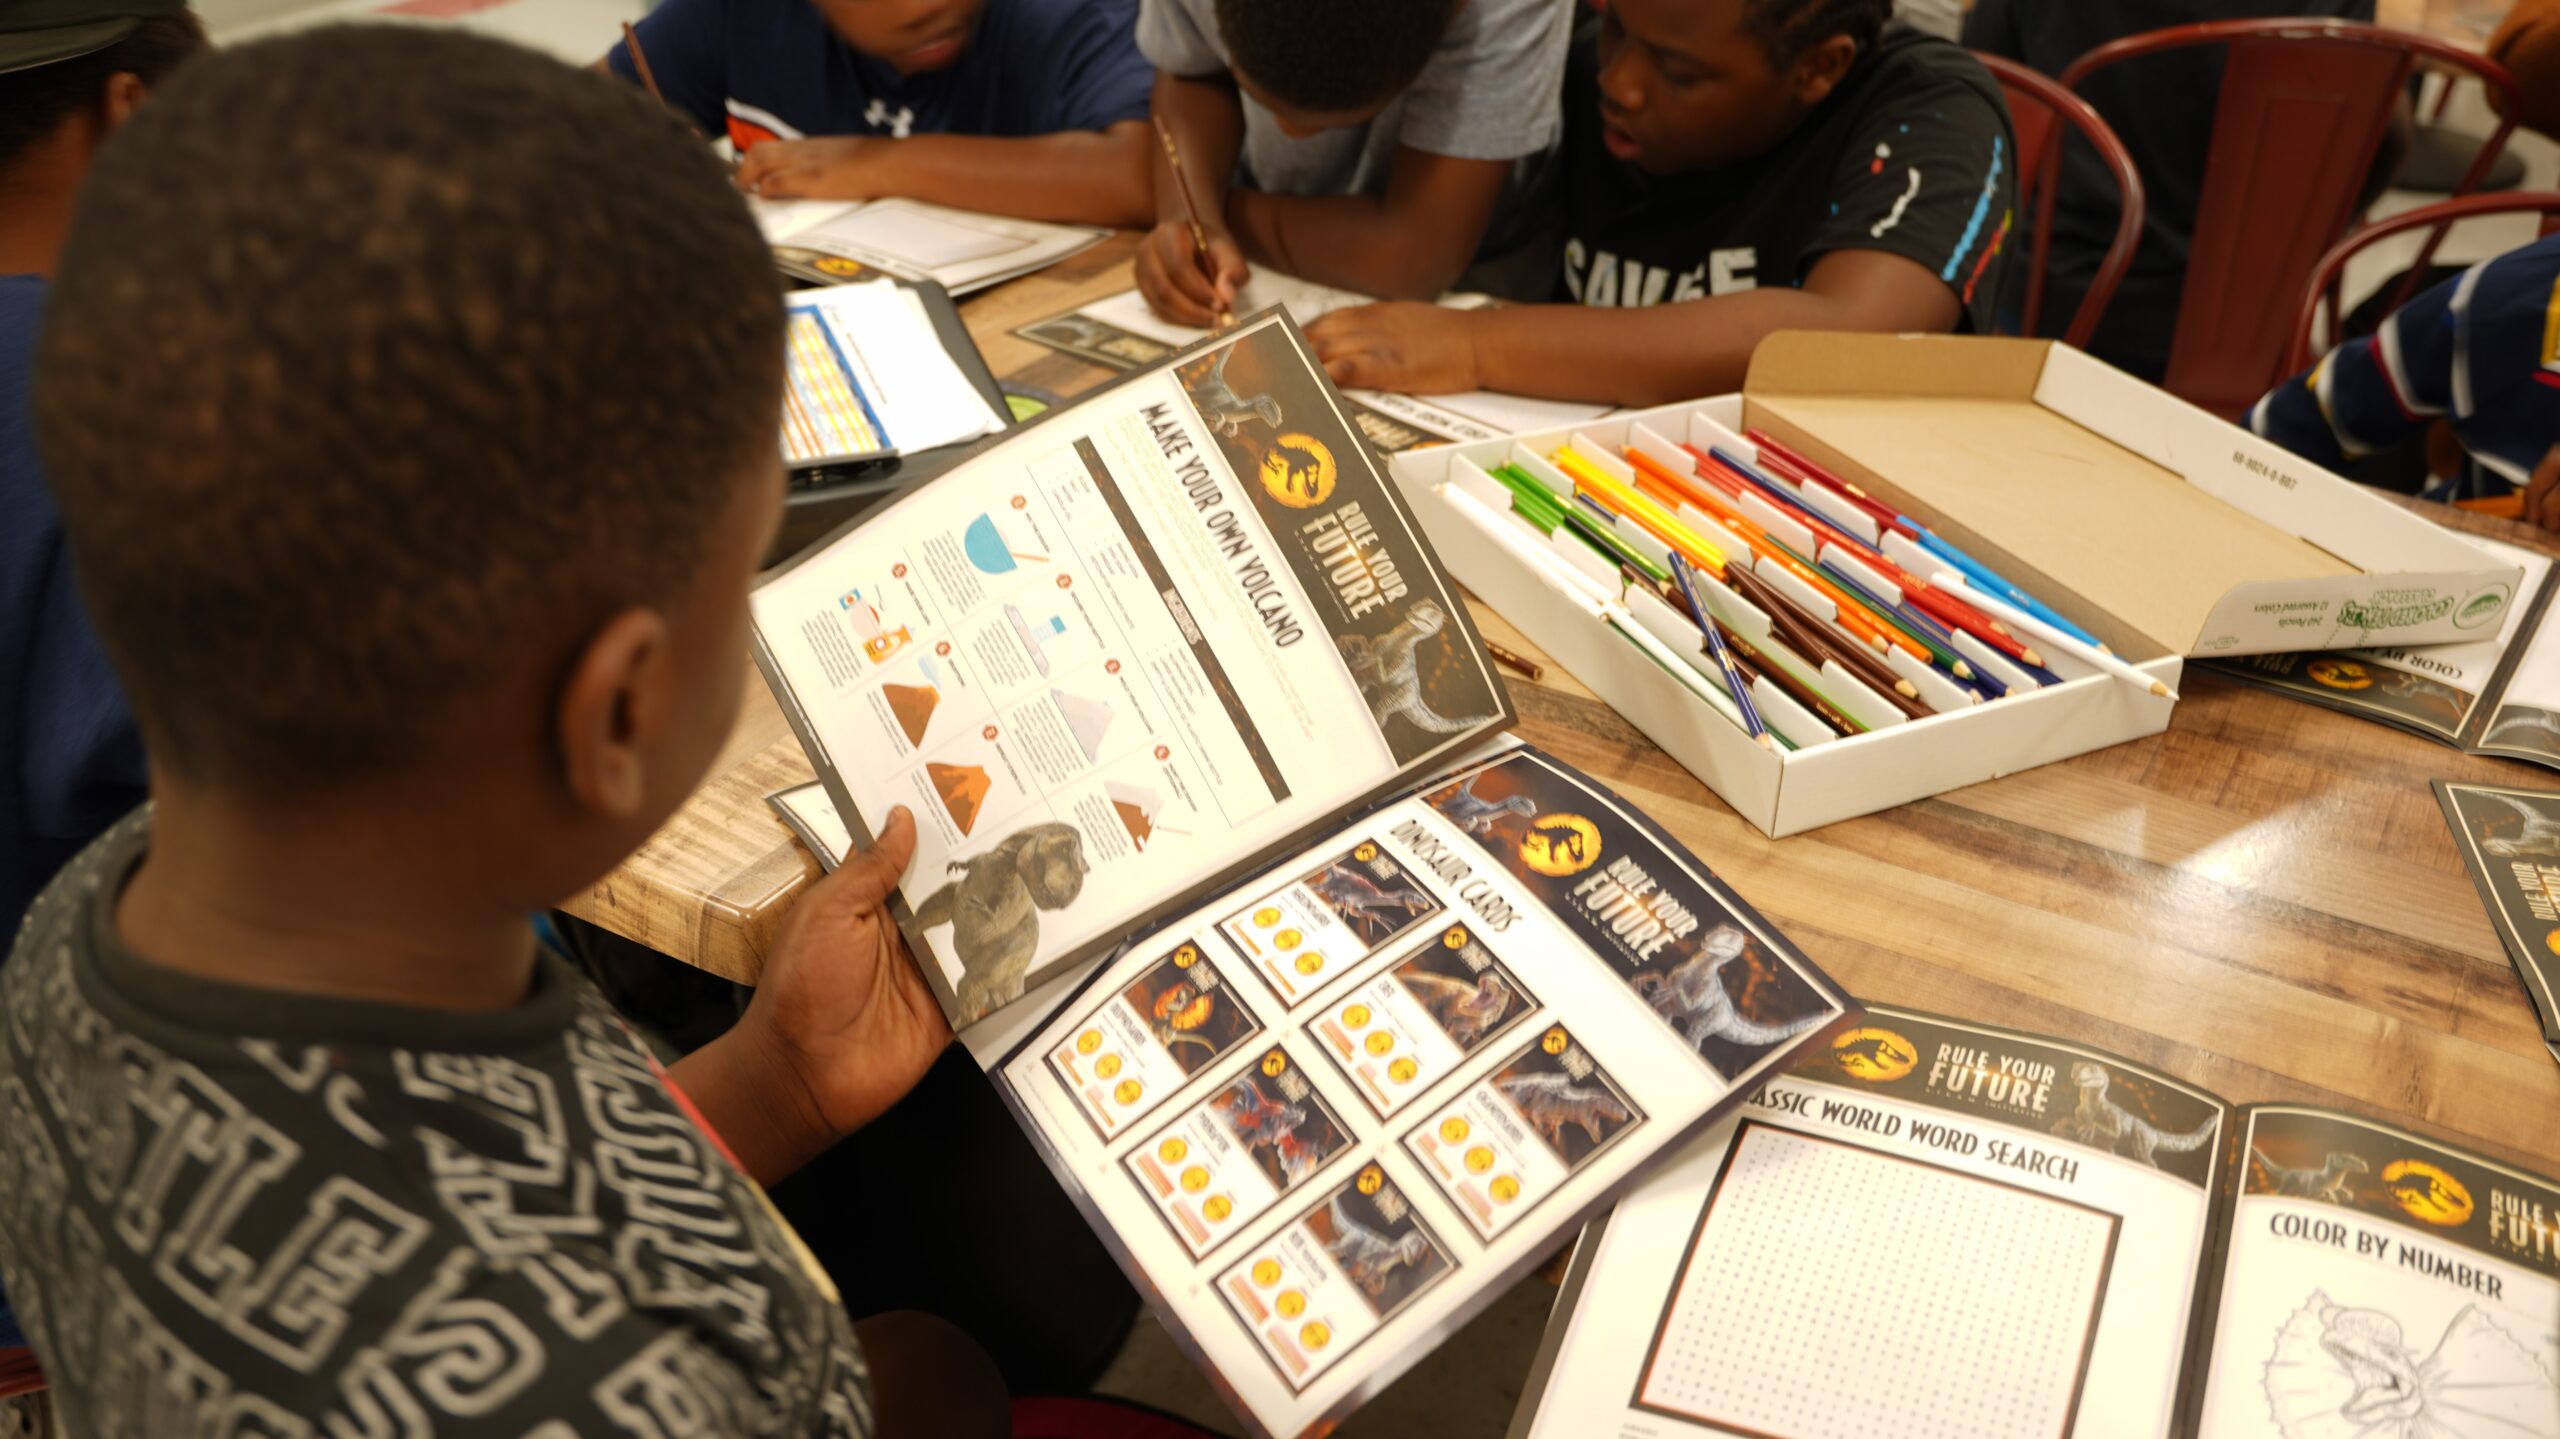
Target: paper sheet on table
[(869, 374), (961, 250)]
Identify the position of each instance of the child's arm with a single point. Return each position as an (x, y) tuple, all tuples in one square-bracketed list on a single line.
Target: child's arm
[(1207, 120), (1411, 242), (2371, 393), (1650, 356), (1077, 177)]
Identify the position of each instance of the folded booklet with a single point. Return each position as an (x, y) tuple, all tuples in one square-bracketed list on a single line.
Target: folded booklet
[(2510, 841), (1151, 639), (1329, 1113), (2497, 695), (826, 241), (1941, 1230)]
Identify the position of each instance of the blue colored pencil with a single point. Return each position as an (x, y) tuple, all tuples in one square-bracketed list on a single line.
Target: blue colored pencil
[(1989, 578), (1751, 720)]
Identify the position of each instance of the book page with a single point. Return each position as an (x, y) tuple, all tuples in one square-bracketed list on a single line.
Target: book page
[(962, 250), (1120, 331), (2526, 722), (1928, 1229), (2432, 689), (2509, 840), (2382, 1286), (1326, 1116), (1125, 648), (866, 374)]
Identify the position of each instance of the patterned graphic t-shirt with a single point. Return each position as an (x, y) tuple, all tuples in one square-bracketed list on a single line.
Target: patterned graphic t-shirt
[(227, 1211)]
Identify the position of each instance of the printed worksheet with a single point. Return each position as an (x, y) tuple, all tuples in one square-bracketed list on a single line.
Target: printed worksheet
[(962, 250), (1127, 648), (2509, 840), (1328, 1114)]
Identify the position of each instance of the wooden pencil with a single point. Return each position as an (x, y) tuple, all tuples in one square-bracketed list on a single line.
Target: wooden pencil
[(1816, 639), (640, 63), (1191, 211)]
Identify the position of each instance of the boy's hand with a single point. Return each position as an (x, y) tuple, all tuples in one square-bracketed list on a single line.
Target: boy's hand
[(1169, 275), (841, 1009), (2542, 495), (837, 167), (1401, 345)]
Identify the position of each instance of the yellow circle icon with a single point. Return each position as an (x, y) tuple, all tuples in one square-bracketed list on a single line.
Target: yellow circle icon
[(1371, 1180), (1403, 1070), (1455, 939), (1480, 1159), (1107, 1066), (1195, 1179), (1365, 853), (1454, 1130), (1267, 916), (1089, 1041), (1356, 1017), (1310, 962), (1316, 1335), (1505, 1189), (1128, 1092), (1380, 1042), (1185, 957), (1291, 1304), (1560, 845), (1274, 1062), (1266, 1272), (1172, 1150), (1555, 1041), (1217, 1208), (1287, 939)]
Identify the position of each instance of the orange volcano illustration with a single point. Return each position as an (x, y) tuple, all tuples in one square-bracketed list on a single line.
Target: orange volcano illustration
[(914, 706), (963, 788)]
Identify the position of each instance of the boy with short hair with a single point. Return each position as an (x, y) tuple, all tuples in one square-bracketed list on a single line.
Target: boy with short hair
[(1034, 108), (1376, 145), (1732, 168), (422, 549)]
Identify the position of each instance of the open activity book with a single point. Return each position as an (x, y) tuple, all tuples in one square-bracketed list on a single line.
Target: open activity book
[(1122, 655), (1940, 1230)]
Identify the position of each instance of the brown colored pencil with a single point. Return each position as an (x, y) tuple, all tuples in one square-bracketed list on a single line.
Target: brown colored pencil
[(640, 63), (1753, 664), (1819, 642), (1191, 211)]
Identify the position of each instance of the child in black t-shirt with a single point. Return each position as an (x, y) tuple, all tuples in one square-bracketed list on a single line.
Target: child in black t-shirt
[(1733, 168)]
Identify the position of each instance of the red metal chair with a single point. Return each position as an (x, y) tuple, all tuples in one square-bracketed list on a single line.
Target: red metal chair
[(2303, 110), (2039, 109), (2322, 292)]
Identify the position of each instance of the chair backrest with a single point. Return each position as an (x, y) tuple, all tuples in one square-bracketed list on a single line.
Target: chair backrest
[(2045, 114), (2302, 113), (2436, 218)]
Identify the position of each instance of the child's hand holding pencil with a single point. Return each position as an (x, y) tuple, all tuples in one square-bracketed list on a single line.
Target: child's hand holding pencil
[(1190, 270)]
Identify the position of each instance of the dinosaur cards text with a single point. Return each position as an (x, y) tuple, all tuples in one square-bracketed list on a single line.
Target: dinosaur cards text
[(1304, 936)]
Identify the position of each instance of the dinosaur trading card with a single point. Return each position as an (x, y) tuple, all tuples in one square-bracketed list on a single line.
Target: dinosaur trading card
[(1403, 1031), (1314, 1290), (1303, 937), (2510, 841), (1147, 1039), (1507, 1142), (1216, 1168)]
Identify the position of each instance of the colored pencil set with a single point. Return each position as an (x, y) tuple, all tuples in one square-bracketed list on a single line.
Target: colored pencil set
[(1871, 619)]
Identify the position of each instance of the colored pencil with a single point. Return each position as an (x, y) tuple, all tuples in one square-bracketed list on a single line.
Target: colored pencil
[(1647, 513), (1596, 533), (1724, 658), (640, 63), (2087, 654), (1191, 212), (1819, 642)]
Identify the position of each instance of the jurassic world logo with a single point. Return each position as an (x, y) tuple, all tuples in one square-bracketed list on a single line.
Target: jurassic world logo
[(1298, 471), (2383, 614), (1876, 1056), (1560, 845), (2426, 1192)]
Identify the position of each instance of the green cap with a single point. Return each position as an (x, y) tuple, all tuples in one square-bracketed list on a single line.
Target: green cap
[(42, 32)]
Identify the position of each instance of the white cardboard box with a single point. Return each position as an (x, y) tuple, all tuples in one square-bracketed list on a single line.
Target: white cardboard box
[(2156, 526)]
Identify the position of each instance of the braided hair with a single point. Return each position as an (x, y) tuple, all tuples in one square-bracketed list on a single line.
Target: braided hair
[(1788, 28)]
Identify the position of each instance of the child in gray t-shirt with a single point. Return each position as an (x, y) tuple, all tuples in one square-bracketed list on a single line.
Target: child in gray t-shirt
[(1368, 144)]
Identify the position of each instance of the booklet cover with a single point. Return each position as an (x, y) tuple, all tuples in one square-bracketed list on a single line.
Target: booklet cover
[(1946, 1230), (2510, 841), (1143, 642), (1330, 1113)]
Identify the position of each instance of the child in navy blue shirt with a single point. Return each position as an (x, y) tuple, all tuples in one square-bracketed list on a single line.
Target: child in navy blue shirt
[(1034, 108)]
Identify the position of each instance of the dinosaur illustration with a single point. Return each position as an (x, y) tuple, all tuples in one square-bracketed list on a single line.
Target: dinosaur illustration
[(1260, 1124), (1384, 669), (1479, 816), (1368, 1258), (993, 903), (1692, 998), (2441, 701), (1876, 1052), (2104, 1124), (1372, 911), (2532, 729), (1224, 409), (2345, 1373), (2328, 1182), (1467, 1012), (2539, 837), (1176, 1013), (1552, 1103)]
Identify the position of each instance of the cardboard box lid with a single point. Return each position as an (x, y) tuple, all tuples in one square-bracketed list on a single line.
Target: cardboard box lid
[(2098, 486)]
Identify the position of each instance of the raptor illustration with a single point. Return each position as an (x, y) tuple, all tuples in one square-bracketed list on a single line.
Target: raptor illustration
[(2526, 729), (1384, 669), (1369, 1258), (2345, 1373), (1468, 1012), (1552, 1103), (1260, 1124), (1224, 409), (2328, 1182), (1691, 996), (2539, 837), (993, 903), (2101, 1122), (1372, 911), (1479, 816)]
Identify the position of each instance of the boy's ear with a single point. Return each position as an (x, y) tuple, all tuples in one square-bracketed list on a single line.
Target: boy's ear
[(613, 711), (1820, 69), (124, 95)]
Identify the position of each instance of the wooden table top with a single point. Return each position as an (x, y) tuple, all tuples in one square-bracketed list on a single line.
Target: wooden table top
[(2264, 900)]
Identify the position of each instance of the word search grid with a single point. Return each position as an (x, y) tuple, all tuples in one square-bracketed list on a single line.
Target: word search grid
[(1832, 1290)]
